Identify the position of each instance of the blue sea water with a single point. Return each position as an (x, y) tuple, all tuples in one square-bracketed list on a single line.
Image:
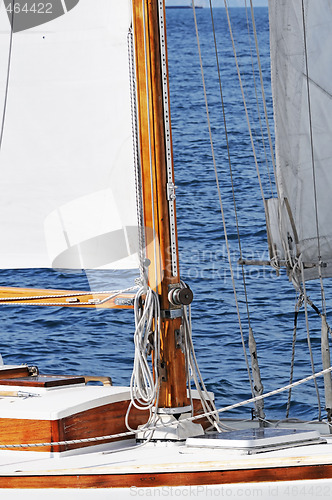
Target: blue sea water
[(100, 342)]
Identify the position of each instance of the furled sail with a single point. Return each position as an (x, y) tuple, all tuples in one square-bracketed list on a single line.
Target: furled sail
[(67, 178), (299, 223)]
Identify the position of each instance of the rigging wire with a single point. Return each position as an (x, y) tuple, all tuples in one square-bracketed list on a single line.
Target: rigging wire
[(220, 199), (302, 298), (268, 129), (206, 400), (257, 102), (313, 166), (256, 95), (244, 101), (296, 313), (274, 259), (309, 341), (325, 343), (257, 384)]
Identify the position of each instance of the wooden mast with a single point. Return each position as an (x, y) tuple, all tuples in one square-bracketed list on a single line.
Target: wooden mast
[(158, 189)]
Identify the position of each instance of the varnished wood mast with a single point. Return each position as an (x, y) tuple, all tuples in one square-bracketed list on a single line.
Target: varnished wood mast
[(153, 158)]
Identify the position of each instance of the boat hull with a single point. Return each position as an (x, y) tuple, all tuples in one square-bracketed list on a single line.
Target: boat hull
[(281, 490)]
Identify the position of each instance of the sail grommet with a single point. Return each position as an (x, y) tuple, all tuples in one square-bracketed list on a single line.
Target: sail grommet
[(180, 296)]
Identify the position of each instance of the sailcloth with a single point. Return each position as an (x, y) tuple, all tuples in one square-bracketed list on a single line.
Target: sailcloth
[(67, 181), (300, 221)]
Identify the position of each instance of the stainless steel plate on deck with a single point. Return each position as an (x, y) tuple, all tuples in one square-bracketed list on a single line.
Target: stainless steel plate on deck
[(257, 440)]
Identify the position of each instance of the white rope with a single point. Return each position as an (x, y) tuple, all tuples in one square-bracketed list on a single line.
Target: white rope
[(193, 369), (193, 418), (144, 382), (271, 393)]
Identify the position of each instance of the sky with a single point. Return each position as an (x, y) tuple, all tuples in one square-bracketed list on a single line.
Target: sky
[(218, 3)]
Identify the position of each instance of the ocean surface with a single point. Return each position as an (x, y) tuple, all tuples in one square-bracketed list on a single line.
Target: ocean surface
[(100, 342)]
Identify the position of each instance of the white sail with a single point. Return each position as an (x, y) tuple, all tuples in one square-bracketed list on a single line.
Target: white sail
[(67, 189), (302, 73)]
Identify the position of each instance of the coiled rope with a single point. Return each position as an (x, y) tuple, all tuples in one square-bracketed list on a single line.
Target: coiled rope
[(145, 379), (144, 382)]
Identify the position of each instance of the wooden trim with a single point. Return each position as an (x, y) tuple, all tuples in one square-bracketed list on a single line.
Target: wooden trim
[(13, 372), (96, 378), (98, 421), (21, 431), (44, 381), (170, 479), (45, 297), (173, 390)]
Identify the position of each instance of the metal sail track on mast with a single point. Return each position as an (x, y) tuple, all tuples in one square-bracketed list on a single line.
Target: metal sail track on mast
[(158, 191)]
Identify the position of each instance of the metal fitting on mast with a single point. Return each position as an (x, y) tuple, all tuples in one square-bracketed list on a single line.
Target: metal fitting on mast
[(180, 296)]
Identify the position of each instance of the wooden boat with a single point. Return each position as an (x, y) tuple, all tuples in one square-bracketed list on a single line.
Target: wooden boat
[(158, 436)]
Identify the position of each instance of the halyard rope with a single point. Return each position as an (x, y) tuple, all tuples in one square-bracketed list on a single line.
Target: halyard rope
[(196, 417)]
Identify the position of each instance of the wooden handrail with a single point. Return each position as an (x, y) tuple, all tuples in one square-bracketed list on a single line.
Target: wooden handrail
[(104, 380)]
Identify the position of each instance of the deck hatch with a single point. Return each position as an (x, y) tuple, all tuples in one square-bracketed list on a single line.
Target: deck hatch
[(257, 440)]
